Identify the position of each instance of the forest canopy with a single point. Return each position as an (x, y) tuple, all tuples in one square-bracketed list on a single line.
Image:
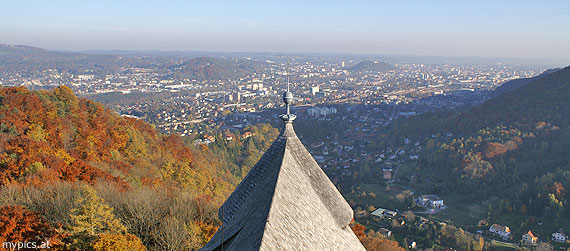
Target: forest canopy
[(62, 157)]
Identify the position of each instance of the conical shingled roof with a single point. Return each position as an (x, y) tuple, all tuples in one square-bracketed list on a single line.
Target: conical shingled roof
[(286, 202)]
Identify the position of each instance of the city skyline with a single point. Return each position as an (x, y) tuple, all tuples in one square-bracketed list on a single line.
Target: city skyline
[(513, 29)]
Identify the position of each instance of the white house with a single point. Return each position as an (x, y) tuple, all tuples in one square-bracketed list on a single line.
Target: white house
[(378, 212), (500, 230), (559, 236), (430, 201)]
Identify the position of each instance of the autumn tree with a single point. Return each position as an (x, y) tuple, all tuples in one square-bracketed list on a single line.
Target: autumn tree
[(117, 242), (91, 217), (374, 242), (17, 224)]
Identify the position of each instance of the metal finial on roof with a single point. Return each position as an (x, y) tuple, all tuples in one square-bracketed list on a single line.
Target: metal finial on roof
[(288, 100)]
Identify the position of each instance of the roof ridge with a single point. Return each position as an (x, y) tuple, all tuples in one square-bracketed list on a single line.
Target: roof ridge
[(243, 190), (320, 183)]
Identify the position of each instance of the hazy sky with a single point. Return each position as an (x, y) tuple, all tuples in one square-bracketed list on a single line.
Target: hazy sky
[(521, 29)]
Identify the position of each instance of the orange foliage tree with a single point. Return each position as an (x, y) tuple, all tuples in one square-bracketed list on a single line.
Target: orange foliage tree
[(20, 225), (373, 242)]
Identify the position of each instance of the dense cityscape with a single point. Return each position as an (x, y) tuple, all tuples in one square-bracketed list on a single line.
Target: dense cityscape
[(170, 102)]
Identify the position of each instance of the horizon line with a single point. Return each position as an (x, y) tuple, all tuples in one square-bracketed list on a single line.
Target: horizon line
[(340, 53)]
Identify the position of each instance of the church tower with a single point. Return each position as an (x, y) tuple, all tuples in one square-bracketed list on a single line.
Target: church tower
[(286, 202)]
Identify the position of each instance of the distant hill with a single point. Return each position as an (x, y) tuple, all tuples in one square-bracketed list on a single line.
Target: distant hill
[(370, 66), (27, 61), (207, 68), (514, 84), (19, 49)]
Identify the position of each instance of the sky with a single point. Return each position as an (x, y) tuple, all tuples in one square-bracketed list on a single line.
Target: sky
[(494, 28)]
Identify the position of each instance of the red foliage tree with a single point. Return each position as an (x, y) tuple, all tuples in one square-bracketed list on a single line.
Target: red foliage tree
[(174, 145), (20, 225)]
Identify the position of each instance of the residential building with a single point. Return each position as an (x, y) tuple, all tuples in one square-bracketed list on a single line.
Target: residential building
[(430, 201), (384, 232), (314, 90), (378, 213), (229, 137), (530, 237), (560, 236), (500, 230), (411, 244), (247, 135), (390, 213), (387, 173), (318, 112)]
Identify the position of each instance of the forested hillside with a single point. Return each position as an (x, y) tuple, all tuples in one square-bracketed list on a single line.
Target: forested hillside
[(63, 159), (511, 154)]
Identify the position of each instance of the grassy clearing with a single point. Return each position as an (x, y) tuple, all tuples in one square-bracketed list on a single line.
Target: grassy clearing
[(499, 246), (460, 212), (384, 197)]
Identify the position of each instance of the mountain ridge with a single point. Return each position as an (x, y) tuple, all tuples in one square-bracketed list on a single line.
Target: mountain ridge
[(543, 99), (516, 83)]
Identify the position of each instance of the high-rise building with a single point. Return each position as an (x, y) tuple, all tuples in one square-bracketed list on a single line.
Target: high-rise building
[(286, 202), (236, 97), (314, 90), (233, 97)]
